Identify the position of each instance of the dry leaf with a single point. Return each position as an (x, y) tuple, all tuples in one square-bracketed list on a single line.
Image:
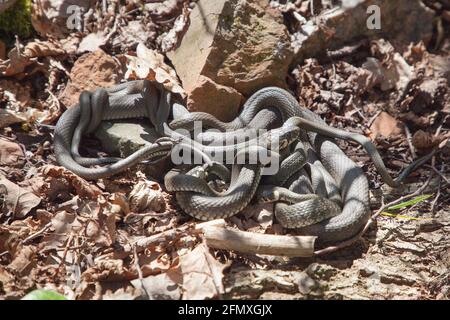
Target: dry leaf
[(385, 125), (202, 274), (8, 118), (147, 196), (10, 152), (20, 59), (389, 67), (128, 293), (165, 286), (82, 187), (162, 8), (101, 227), (64, 224), (17, 200), (422, 140), (92, 42), (150, 65)]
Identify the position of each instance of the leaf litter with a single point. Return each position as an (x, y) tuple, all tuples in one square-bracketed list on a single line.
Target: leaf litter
[(63, 233)]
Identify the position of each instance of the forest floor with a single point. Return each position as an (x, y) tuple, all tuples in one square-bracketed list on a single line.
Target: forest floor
[(61, 232)]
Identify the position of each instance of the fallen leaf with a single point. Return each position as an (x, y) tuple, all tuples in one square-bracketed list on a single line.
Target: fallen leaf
[(389, 67), (128, 293), (202, 274), (82, 187), (101, 226), (64, 224), (164, 286), (162, 8), (92, 42), (10, 152), (17, 200), (423, 140), (8, 118), (24, 259), (147, 196), (150, 65), (385, 125), (21, 58)]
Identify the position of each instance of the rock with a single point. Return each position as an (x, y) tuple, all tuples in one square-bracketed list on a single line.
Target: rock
[(407, 246), (241, 44), (350, 22), (320, 271), (385, 125), (306, 284), (218, 100), (90, 71), (250, 284), (124, 138)]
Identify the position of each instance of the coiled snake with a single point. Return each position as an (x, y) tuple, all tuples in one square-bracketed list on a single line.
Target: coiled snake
[(318, 188)]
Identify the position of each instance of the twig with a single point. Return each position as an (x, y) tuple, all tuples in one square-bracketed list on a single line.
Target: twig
[(409, 139), (370, 122), (256, 243), (166, 236), (37, 234), (66, 249), (439, 173), (438, 194)]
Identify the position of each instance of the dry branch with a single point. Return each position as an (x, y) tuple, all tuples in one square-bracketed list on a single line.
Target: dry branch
[(256, 243)]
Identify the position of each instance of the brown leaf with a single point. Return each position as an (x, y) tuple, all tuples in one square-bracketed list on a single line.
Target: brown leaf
[(39, 49), (202, 274), (64, 224), (20, 59), (8, 118), (23, 261), (18, 200), (165, 286), (385, 125), (101, 227), (82, 187), (92, 42), (162, 8), (388, 66), (422, 140), (150, 65), (9, 241), (10, 152), (147, 196), (128, 293)]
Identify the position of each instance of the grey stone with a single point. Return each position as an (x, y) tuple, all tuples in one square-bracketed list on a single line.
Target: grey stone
[(124, 138)]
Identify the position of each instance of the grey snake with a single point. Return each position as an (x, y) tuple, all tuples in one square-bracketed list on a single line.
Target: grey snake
[(318, 188)]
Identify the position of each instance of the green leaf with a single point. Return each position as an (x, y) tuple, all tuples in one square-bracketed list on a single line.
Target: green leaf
[(44, 295), (410, 202)]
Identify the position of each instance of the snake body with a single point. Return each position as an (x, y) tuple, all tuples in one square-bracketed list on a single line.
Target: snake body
[(324, 158)]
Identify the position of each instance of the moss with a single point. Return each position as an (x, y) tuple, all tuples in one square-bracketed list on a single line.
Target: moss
[(16, 20)]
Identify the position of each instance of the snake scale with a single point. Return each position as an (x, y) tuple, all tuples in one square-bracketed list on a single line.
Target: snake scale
[(318, 189)]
